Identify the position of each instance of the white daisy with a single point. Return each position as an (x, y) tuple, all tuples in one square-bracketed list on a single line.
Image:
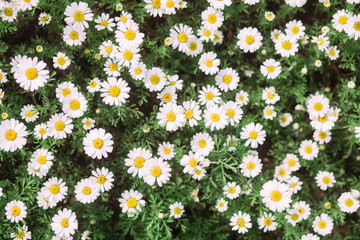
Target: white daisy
[(323, 224), (322, 42), (269, 112), (136, 159), (3, 78), (167, 95), (250, 39), (112, 67), (325, 123), (64, 223), (293, 216), (267, 222), (41, 131), (219, 4), (233, 112), (65, 89), (240, 222), (61, 61), (104, 22), (308, 150), (218, 37), (325, 180), (191, 161), (232, 190), (286, 45), (166, 150), (41, 161), (202, 143), (74, 35), (175, 81), (340, 19), (309, 236), (59, 125), (29, 113), (347, 203), (276, 195), (221, 205), (227, 79), (194, 47), (292, 162), (231, 143), (285, 119), (114, 91), (304, 209), (254, 134), (242, 98), (98, 143), (156, 170), (54, 190), (172, 116), (333, 52), (21, 233), (131, 202), (176, 210), (12, 135), (215, 117), (86, 190), (209, 95), (251, 166), (270, 69), (78, 14), (74, 105), (170, 6), (128, 56), (123, 18), (195, 194), (128, 34), (270, 96), (44, 19), (212, 18), (138, 71), (15, 211), (269, 16), (282, 172), (353, 27), (103, 178), (153, 7), (199, 173), (322, 136), (295, 28), (108, 49), (192, 112), (208, 63), (9, 11), (180, 35), (294, 184), (205, 34), (155, 79)]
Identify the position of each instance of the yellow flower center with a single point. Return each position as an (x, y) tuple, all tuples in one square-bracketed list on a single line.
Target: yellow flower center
[(227, 79), (209, 96), (42, 131), (44, 19), (177, 210), (113, 67), (301, 210), (41, 159), (322, 224), (170, 3), (128, 55), (202, 143), (114, 91), (123, 18), (251, 165), (276, 35), (101, 179), (74, 35), (308, 149), (212, 18), (193, 162), (198, 171), (189, 114), (64, 222), (129, 34), (267, 221), (343, 19), (269, 16), (156, 171), (15, 211), (170, 116), (108, 49), (269, 112), (61, 61), (357, 26), (249, 40), (320, 42), (59, 126), (167, 97), (88, 123), (253, 134), (270, 95), (86, 190), (66, 91), (349, 202), (139, 162), (293, 185), (98, 143), (54, 189), (215, 117), (156, 3), (282, 172), (93, 84), (221, 204), (241, 222), (230, 112), (276, 196), (241, 98), (294, 217), (232, 143), (216, 37), (207, 33), (284, 119), (295, 30), (209, 63), (8, 12), (155, 79), (270, 68), (322, 119), (286, 45), (166, 150), (74, 104), (332, 52), (131, 202), (104, 23), (29, 113), (193, 46), (291, 162), (31, 73), (231, 190), (21, 234), (78, 16), (182, 37), (138, 71), (322, 135), (326, 180)]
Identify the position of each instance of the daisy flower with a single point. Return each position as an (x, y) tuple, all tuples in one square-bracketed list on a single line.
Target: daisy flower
[(286, 45), (44, 19), (285, 119), (112, 67), (250, 39), (270, 69), (269, 112), (208, 63), (9, 11), (295, 28), (215, 117), (202, 143), (347, 203), (212, 18), (192, 112), (292, 162), (270, 96), (325, 180), (253, 134), (21, 233), (59, 125), (98, 143), (138, 71), (155, 79), (3, 78), (31, 74), (323, 224), (251, 166), (294, 184), (219, 4), (65, 89), (172, 116), (321, 41), (74, 35), (128, 56), (156, 170), (293, 216), (154, 8), (114, 91), (205, 34), (233, 112), (166, 150), (29, 113), (195, 194), (123, 18), (128, 34), (78, 14), (41, 160), (276, 195), (353, 27), (295, 3), (227, 79), (174, 81), (40, 131), (267, 222), (54, 190), (209, 95), (176, 210), (282, 172), (108, 49), (61, 61), (340, 19), (191, 161), (64, 223), (12, 135), (304, 209), (308, 150), (275, 35), (232, 190), (251, 2), (325, 123), (231, 142), (199, 173), (104, 22), (218, 37), (194, 47), (86, 190), (322, 136), (180, 35), (240, 222), (269, 16), (309, 236), (74, 105), (103, 178), (136, 159), (15, 211), (131, 202), (333, 52), (88, 123), (169, 6), (167, 95), (242, 98), (221, 205), (94, 85)]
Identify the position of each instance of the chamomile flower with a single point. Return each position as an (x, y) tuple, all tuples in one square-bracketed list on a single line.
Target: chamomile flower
[(104, 22), (180, 35), (333, 52), (9, 11), (199, 173), (286, 45), (267, 222), (54, 190), (282, 172), (218, 37), (128, 35), (309, 236), (114, 91), (41, 160), (294, 184), (86, 190), (212, 18), (293, 216), (269, 16), (308, 150), (231, 143), (61, 61), (98, 143), (31, 74), (325, 123), (240, 222), (128, 56), (292, 162), (242, 98), (21, 233), (64, 223), (250, 39), (304, 40), (295, 3), (131, 202), (191, 161), (323, 224), (12, 135), (166, 150), (65, 89), (353, 27), (322, 42), (270, 69), (74, 105), (195, 194), (276, 195), (202, 143), (285, 119), (169, 6), (340, 19), (269, 112), (138, 71), (208, 63), (209, 95), (88, 123), (175, 81), (251, 166), (232, 190), (275, 34), (15, 211), (322, 136), (325, 180), (167, 95), (123, 18), (74, 35), (192, 112), (270, 96), (347, 203), (3, 78), (233, 112), (135, 161), (112, 67), (172, 116), (103, 178), (155, 79), (295, 28), (215, 117), (205, 34), (194, 47), (108, 49), (94, 85), (221, 205), (77, 14), (29, 113), (227, 79), (44, 19), (176, 210), (304, 209), (253, 134), (219, 4), (154, 8), (40, 131), (251, 2), (59, 125), (156, 170)]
